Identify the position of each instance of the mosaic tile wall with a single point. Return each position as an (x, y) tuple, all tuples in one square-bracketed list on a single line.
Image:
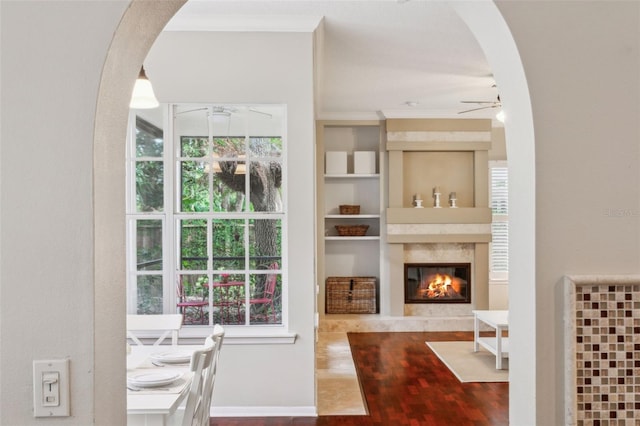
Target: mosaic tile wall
[(608, 354)]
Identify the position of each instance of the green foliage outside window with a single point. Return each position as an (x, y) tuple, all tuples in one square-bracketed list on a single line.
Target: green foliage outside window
[(149, 294), (149, 245), (212, 179), (149, 168)]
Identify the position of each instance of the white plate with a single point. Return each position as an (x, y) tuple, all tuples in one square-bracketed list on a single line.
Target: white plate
[(149, 379), (175, 357)]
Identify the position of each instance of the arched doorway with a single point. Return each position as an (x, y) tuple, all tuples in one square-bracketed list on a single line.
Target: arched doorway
[(491, 31), (142, 23)]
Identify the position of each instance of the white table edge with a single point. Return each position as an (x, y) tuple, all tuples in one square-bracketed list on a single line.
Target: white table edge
[(498, 320)]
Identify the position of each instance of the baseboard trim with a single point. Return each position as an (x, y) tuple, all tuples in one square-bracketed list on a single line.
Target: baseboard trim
[(309, 411)]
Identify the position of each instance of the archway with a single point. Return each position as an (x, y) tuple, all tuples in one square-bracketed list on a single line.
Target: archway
[(491, 31), (141, 24)]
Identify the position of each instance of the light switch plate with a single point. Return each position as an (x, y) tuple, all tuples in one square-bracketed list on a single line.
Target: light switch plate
[(51, 388)]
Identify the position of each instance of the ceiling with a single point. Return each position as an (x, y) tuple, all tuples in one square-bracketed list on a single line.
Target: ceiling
[(384, 58)]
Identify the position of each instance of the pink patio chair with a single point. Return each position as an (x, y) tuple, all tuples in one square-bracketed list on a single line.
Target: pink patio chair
[(269, 292), (185, 302)]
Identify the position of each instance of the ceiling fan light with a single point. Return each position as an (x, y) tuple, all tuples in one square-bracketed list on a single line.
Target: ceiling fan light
[(500, 116), (143, 96)]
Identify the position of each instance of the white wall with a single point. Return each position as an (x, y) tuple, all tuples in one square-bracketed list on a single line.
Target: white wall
[(498, 151), (492, 32), (236, 68), (582, 62), (52, 59)]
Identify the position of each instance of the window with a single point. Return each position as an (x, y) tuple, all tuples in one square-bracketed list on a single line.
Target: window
[(206, 215), (499, 203), (145, 230)]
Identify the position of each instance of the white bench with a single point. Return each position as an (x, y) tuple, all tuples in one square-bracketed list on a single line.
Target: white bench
[(498, 345), (167, 324)]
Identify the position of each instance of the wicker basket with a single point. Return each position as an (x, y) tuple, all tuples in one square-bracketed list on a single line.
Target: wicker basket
[(352, 230), (351, 295), (349, 209)]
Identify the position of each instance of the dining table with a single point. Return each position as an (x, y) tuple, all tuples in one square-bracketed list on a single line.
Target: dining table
[(156, 404)]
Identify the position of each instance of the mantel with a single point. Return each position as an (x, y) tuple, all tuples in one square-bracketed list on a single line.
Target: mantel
[(439, 225), (400, 215), (439, 233)]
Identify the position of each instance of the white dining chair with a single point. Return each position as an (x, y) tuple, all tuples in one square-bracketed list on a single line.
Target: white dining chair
[(166, 324), (204, 363), (216, 338)]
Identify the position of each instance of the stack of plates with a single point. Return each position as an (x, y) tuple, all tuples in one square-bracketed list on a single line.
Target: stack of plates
[(173, 357), (153, 378)]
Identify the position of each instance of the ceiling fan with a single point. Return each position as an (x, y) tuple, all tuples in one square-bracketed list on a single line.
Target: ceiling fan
[(223, 111), (489, 104)]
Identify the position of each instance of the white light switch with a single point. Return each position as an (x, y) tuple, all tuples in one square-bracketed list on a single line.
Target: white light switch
[(51, 388)]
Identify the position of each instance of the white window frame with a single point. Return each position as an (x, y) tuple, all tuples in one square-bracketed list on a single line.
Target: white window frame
[(242, 334), (132, 216)]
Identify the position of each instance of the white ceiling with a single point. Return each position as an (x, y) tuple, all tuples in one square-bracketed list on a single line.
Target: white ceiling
[(374, 56)]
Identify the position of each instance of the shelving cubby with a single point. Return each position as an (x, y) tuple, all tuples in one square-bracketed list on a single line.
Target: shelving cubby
[(340, 256)]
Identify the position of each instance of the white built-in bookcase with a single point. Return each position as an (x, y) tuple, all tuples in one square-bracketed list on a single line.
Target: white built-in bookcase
[(350, 255)]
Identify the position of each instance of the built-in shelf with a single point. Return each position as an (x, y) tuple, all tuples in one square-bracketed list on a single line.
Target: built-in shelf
[(351, 144)]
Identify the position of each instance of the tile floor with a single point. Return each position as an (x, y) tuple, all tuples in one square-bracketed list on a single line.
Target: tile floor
[(339, 391), (338, 387)]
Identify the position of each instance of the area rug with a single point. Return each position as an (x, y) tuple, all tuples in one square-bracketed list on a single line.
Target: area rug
[(469, 366)]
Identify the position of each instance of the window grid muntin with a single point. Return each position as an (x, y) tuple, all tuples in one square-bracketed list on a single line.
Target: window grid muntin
[(246, 214), (169, 274), (135, 274), (209, 161), (212, 272)]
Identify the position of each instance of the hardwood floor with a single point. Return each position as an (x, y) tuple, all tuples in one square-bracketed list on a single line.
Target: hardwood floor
[(404, 383)]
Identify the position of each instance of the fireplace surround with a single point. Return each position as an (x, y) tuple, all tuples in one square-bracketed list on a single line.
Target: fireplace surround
[(450, 154), (437, 283)]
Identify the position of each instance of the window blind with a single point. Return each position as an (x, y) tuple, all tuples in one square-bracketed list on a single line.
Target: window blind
[(499, 202), (499, 190), (500, 247)]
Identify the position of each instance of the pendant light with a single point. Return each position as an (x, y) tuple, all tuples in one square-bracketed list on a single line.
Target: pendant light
[(143, 97)]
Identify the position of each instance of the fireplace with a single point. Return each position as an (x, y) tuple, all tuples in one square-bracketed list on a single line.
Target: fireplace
[(437, 283)]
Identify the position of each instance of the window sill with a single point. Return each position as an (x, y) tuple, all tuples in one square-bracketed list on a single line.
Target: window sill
[(234, 335)]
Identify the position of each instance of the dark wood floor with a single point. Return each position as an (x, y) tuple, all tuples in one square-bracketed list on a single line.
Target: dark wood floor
[(405, 383)]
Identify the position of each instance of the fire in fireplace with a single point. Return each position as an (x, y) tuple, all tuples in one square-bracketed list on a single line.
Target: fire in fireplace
[(437, 283)]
